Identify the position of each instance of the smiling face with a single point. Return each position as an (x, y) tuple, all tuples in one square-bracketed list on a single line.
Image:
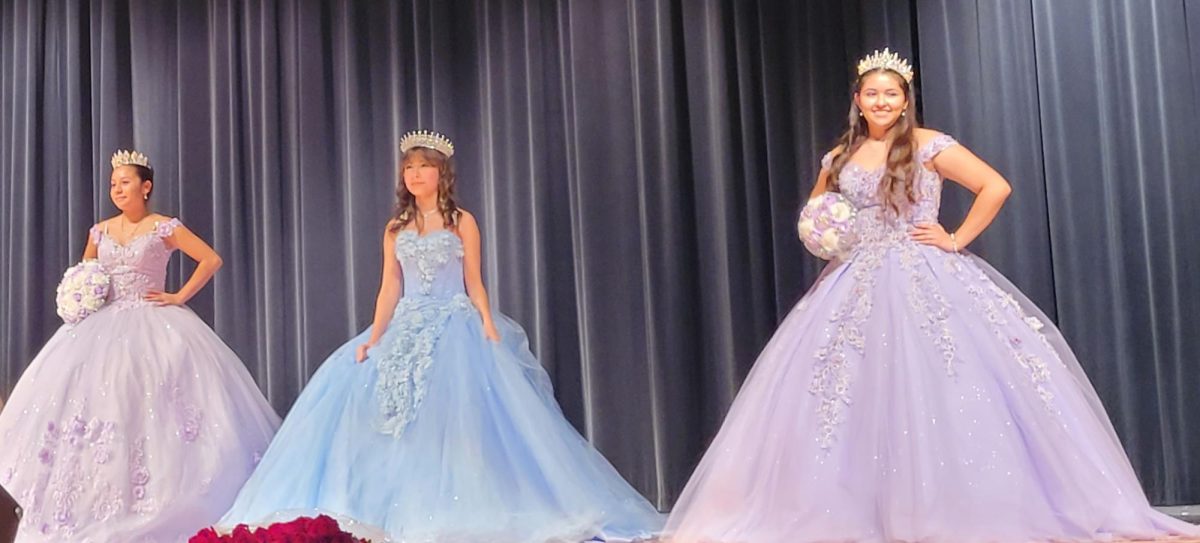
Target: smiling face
[(881, 97), (127, 189)]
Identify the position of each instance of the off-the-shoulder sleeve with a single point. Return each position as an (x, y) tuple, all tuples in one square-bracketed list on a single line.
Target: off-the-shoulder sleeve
[(827, 160), (166, 228), (936, 145), (95, 233)]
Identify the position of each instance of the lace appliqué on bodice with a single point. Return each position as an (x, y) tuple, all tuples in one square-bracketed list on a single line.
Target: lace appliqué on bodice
[(882, 236), (427, 255), (861, 186), (417, 324), (137, 266)]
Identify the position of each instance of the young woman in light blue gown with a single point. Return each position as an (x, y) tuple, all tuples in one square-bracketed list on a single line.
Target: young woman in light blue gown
[(437, 423)]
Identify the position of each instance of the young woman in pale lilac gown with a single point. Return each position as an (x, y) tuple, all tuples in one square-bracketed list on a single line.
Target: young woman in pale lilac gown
[(136, 424), (913, 394), (437, 423)]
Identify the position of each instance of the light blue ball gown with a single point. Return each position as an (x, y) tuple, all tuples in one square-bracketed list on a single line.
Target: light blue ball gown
[(440, 435)]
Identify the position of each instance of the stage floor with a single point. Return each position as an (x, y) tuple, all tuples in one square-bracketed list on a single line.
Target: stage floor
[(1188, 513)]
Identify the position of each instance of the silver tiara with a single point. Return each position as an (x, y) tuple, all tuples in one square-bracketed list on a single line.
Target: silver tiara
[(888, 61), (126, 158), (428, 139)]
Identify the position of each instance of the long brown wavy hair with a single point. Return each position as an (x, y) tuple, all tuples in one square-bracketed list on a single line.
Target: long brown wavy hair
[(896, 190), (406, 204)]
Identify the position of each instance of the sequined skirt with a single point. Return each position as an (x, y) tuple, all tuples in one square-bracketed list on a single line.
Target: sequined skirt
[(915, 395), (136, 424), (472, 445)]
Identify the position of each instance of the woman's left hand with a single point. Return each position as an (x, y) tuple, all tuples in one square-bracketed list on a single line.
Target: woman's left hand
[(932, 233), (489, 330), (164, 298)]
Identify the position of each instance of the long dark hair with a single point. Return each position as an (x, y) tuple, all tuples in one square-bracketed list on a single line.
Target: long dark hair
[(406, 203), (896, 190)]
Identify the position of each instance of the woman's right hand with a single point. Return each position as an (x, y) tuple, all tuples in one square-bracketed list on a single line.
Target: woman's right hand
[(360, 354)]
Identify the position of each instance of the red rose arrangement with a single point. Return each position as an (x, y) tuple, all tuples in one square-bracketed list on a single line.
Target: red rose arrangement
[(321, 529)]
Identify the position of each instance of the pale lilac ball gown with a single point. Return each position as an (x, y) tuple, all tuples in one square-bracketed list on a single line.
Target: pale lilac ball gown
[(135, 425), (914, 395)]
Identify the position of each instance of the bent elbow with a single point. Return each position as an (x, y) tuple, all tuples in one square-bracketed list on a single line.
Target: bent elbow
[(1003, 189)]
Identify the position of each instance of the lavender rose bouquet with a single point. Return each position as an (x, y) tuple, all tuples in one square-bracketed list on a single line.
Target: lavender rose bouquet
[(826, 226), (83, 290)]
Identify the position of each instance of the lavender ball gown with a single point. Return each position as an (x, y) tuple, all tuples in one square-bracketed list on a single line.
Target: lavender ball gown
[(136, 424), (914, 395)]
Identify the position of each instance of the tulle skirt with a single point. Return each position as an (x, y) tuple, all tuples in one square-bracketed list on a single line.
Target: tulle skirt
[(136, 424), (487, 455), (915, 395)]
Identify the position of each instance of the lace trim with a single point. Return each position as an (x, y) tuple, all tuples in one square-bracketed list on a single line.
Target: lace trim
[(403, 372), (927, 300), (831, 373), (429, 252), (74, 483), (998, 307), (166, 228), (129, 282), (879, 237), (936, 145)]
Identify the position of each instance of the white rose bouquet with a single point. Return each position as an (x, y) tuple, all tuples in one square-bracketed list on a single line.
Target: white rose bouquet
[(826, 226), (83, 290)]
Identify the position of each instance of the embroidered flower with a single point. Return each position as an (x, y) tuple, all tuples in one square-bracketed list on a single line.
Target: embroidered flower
[(428, 253), (401, 383)]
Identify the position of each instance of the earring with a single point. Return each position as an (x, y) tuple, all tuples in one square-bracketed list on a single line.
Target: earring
[(903, 113)]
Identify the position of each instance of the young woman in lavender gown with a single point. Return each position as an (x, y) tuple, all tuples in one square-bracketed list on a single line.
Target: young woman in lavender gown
[(136, 424), (913, 394)]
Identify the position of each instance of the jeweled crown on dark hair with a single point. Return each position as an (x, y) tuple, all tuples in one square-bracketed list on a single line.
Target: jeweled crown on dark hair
[(428, 139)]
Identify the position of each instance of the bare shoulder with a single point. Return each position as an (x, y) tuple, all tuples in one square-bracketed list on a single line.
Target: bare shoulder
[(925, 135), (467, 227), (465, 217)]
